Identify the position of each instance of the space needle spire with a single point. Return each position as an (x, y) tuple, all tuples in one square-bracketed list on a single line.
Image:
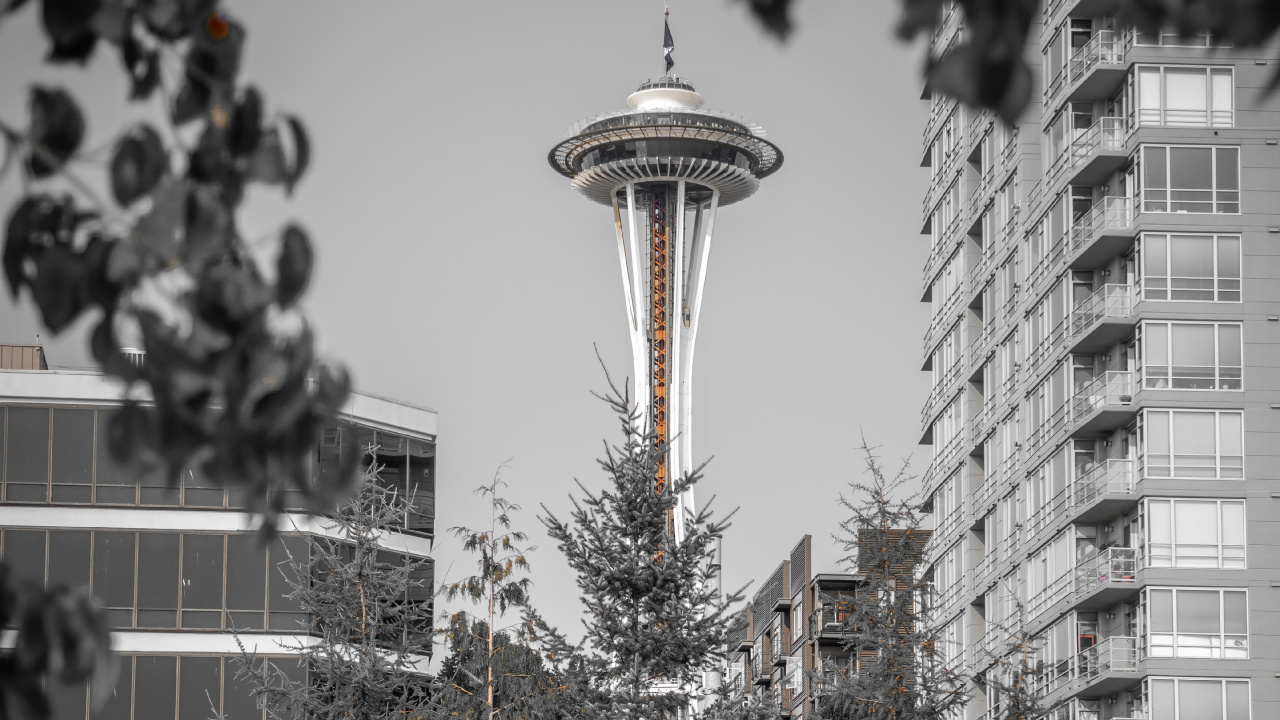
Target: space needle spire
[(665, 166)]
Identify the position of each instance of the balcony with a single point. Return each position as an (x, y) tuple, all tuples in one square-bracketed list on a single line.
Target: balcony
[(1098, 152), (1103, 404), (1106, 578), (1102, 319), (1108, 667), (760, 670), (1102, 233), (1097, 70), (1103, 491), (778, 649), (825, 626)]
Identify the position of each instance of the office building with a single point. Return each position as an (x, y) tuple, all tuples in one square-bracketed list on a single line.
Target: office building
[(176, 568)]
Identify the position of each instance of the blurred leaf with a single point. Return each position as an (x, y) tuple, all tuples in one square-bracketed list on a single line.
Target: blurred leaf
[(190, 103), (141, 64), (158, 233), (8, 6), (58, 286), (268, 164), (246, 125), (129, 432), (69, 25), (774, 15), (113, 21), (301, 153), (333, 386), (293, 267), (137, 165), (214, 58), (209, 228), (57, 127)]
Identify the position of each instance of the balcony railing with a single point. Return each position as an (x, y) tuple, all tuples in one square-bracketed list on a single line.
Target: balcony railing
[(1116, 654), (1109, 213), (1110, 388), (1110, 476), (1114, 300), (1105, 135), (1113, 565), (1106, 47)]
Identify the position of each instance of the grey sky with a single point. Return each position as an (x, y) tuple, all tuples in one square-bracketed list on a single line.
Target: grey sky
[(457, 271)]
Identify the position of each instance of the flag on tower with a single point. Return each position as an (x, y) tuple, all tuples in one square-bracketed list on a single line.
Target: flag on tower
[(667, 44)]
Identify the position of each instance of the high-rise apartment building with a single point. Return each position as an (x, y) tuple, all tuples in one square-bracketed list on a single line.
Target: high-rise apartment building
[(1105, 338), (175, 568)]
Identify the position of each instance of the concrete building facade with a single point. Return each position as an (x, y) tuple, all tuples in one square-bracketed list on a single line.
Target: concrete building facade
[(1105, 409), (177, 568)]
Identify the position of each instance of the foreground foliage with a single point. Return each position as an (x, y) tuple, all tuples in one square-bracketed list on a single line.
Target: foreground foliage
[(231, 381)]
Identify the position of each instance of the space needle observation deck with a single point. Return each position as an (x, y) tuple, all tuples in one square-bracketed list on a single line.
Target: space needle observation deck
[(665, 166)]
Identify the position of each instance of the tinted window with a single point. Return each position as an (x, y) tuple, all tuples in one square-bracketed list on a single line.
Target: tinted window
[(116, 704), (157, 580), (113, 562), (115, 483), (27, 454), (69, 550), (156, 688), (199, 696), (24, 551), (73, 446), (238, 701), (246, 572)]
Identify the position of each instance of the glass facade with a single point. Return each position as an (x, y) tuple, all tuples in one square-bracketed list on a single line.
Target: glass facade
[(59, 456)]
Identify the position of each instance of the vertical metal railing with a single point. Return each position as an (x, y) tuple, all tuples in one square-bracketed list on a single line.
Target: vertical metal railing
[(1106, 47), (1110, 566), (1109, 213)]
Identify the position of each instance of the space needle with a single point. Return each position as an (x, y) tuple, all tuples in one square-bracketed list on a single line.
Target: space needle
[(665, 166)]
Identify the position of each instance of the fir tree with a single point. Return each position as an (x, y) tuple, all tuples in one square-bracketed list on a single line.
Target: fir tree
[(655, 615), (371, 612), (523, 686), (901, 673), (490, 673)]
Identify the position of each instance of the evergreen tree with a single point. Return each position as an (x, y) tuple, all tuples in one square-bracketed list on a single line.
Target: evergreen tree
[(523, 686), (901, 672), (655, 616), (371, 611), (490, 673)]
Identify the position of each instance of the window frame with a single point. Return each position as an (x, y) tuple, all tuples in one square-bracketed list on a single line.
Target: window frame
[(1150, 541), (1145, 454), (1211, 116), (1174, 646), (1144, 272), (1214, 202), (1170, 378)]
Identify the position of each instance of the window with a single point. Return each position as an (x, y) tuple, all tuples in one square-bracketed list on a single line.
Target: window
[(948, 501), (1193, 443), (946, 358), (1170, 38), (947, 572), (1191, 356), (1048, 571), (1055, 62), (946, 286), (1185, 96), (951, 639), (947, 427), (1197, 699), (1197, 623), (1190, 179), (1202, 268), (1195, 533), (26, 469)]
